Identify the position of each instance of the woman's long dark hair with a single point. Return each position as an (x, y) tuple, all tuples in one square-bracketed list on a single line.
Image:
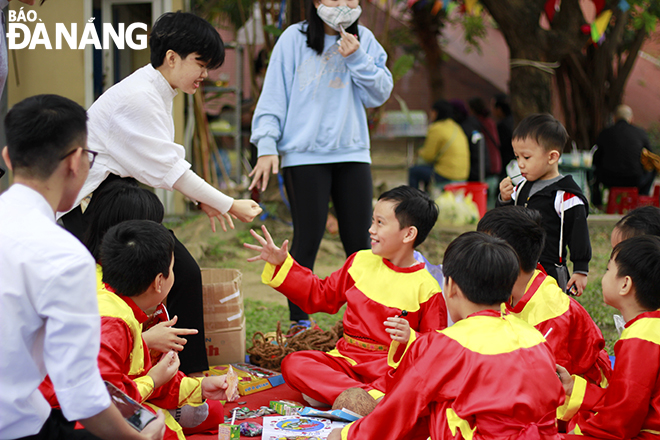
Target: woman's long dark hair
[(316, 32)]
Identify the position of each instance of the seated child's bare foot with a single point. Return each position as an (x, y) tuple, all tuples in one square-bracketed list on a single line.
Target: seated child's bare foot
[(357, 400)]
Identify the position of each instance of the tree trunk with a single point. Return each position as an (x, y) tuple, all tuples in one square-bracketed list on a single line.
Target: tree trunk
[(427, 28)]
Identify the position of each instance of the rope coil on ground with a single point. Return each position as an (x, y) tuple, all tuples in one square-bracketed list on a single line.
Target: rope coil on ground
[(269, 349)]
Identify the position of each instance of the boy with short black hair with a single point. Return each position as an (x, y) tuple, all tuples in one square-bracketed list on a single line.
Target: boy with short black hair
[(137, 259), (629, 408), (538, 142), (376, 284), (489, 375), (575, 339), (640, 221)]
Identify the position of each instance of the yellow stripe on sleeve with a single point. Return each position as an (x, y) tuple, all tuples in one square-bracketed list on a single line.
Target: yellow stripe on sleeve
[(573, 402), (145, 386), (269, 270)]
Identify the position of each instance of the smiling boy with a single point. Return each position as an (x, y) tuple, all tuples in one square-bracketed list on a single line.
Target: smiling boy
[(376, 284), (538, 142)]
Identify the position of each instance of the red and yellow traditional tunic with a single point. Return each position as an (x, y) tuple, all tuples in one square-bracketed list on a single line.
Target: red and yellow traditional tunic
[(629, 408), (373, 289), (574, 337), (486, 377)]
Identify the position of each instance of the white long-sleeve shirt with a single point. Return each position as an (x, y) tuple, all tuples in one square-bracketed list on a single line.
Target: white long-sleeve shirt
[(49, 320), (132, 129)]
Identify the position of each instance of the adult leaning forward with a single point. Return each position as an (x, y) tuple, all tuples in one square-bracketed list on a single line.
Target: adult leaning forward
[(311, 112), (131, 127)]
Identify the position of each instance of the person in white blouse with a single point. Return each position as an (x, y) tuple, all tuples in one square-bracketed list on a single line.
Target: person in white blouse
[(49, 321), (132, 129), (131, 124)]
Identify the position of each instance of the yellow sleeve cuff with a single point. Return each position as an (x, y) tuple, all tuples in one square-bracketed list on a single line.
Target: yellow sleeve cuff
[(344, 431), (145, 385), (376, 394), (394, 346), (269, 269), (573, 402), (190, 391)]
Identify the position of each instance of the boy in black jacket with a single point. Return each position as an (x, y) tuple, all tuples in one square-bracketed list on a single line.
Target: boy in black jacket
[(538, 142)]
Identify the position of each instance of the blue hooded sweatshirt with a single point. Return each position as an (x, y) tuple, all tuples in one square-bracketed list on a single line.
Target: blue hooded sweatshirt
[(312, 109)]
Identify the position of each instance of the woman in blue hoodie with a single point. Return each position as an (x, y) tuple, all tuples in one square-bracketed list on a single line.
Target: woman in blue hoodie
[(322, 75)]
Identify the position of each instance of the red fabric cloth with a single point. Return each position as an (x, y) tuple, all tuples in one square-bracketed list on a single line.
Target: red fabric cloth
[(254, 402), (365, 283), (575, 339), (491, 374), (629, 408)]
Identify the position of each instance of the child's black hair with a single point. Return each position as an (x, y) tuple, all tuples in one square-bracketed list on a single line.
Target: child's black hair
[(315, 30), (413, 208), (186, 33), (640, 221), (544, 129), (639, 258), (521, 227), (484, 267), (133, 253), (118, 201), (41, 130)]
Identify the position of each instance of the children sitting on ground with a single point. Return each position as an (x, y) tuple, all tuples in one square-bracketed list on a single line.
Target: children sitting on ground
[(640, 221), (574, 337), (137, 259), (629, 408), (490, 375), (376, 285), (538, 142)]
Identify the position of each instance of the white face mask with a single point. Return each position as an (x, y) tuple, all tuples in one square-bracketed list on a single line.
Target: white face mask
[(335, 16)]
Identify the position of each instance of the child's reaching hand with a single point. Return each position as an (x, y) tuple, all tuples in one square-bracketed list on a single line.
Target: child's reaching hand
[(164, 337), (400, 329), (213, 387), (506, 189), (269, 252), (165, 369)]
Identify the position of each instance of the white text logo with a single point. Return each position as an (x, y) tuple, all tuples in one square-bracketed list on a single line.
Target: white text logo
[(19, 35)]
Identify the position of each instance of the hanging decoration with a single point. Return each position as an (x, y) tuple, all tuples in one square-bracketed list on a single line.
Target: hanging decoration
[(599, 26), (624, 5)]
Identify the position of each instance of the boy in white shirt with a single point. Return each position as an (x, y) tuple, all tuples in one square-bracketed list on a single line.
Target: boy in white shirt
[(49, 321)]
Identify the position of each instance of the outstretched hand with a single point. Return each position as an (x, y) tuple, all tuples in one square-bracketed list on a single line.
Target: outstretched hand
[(164, 337), (268, 252), (214, 213)]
